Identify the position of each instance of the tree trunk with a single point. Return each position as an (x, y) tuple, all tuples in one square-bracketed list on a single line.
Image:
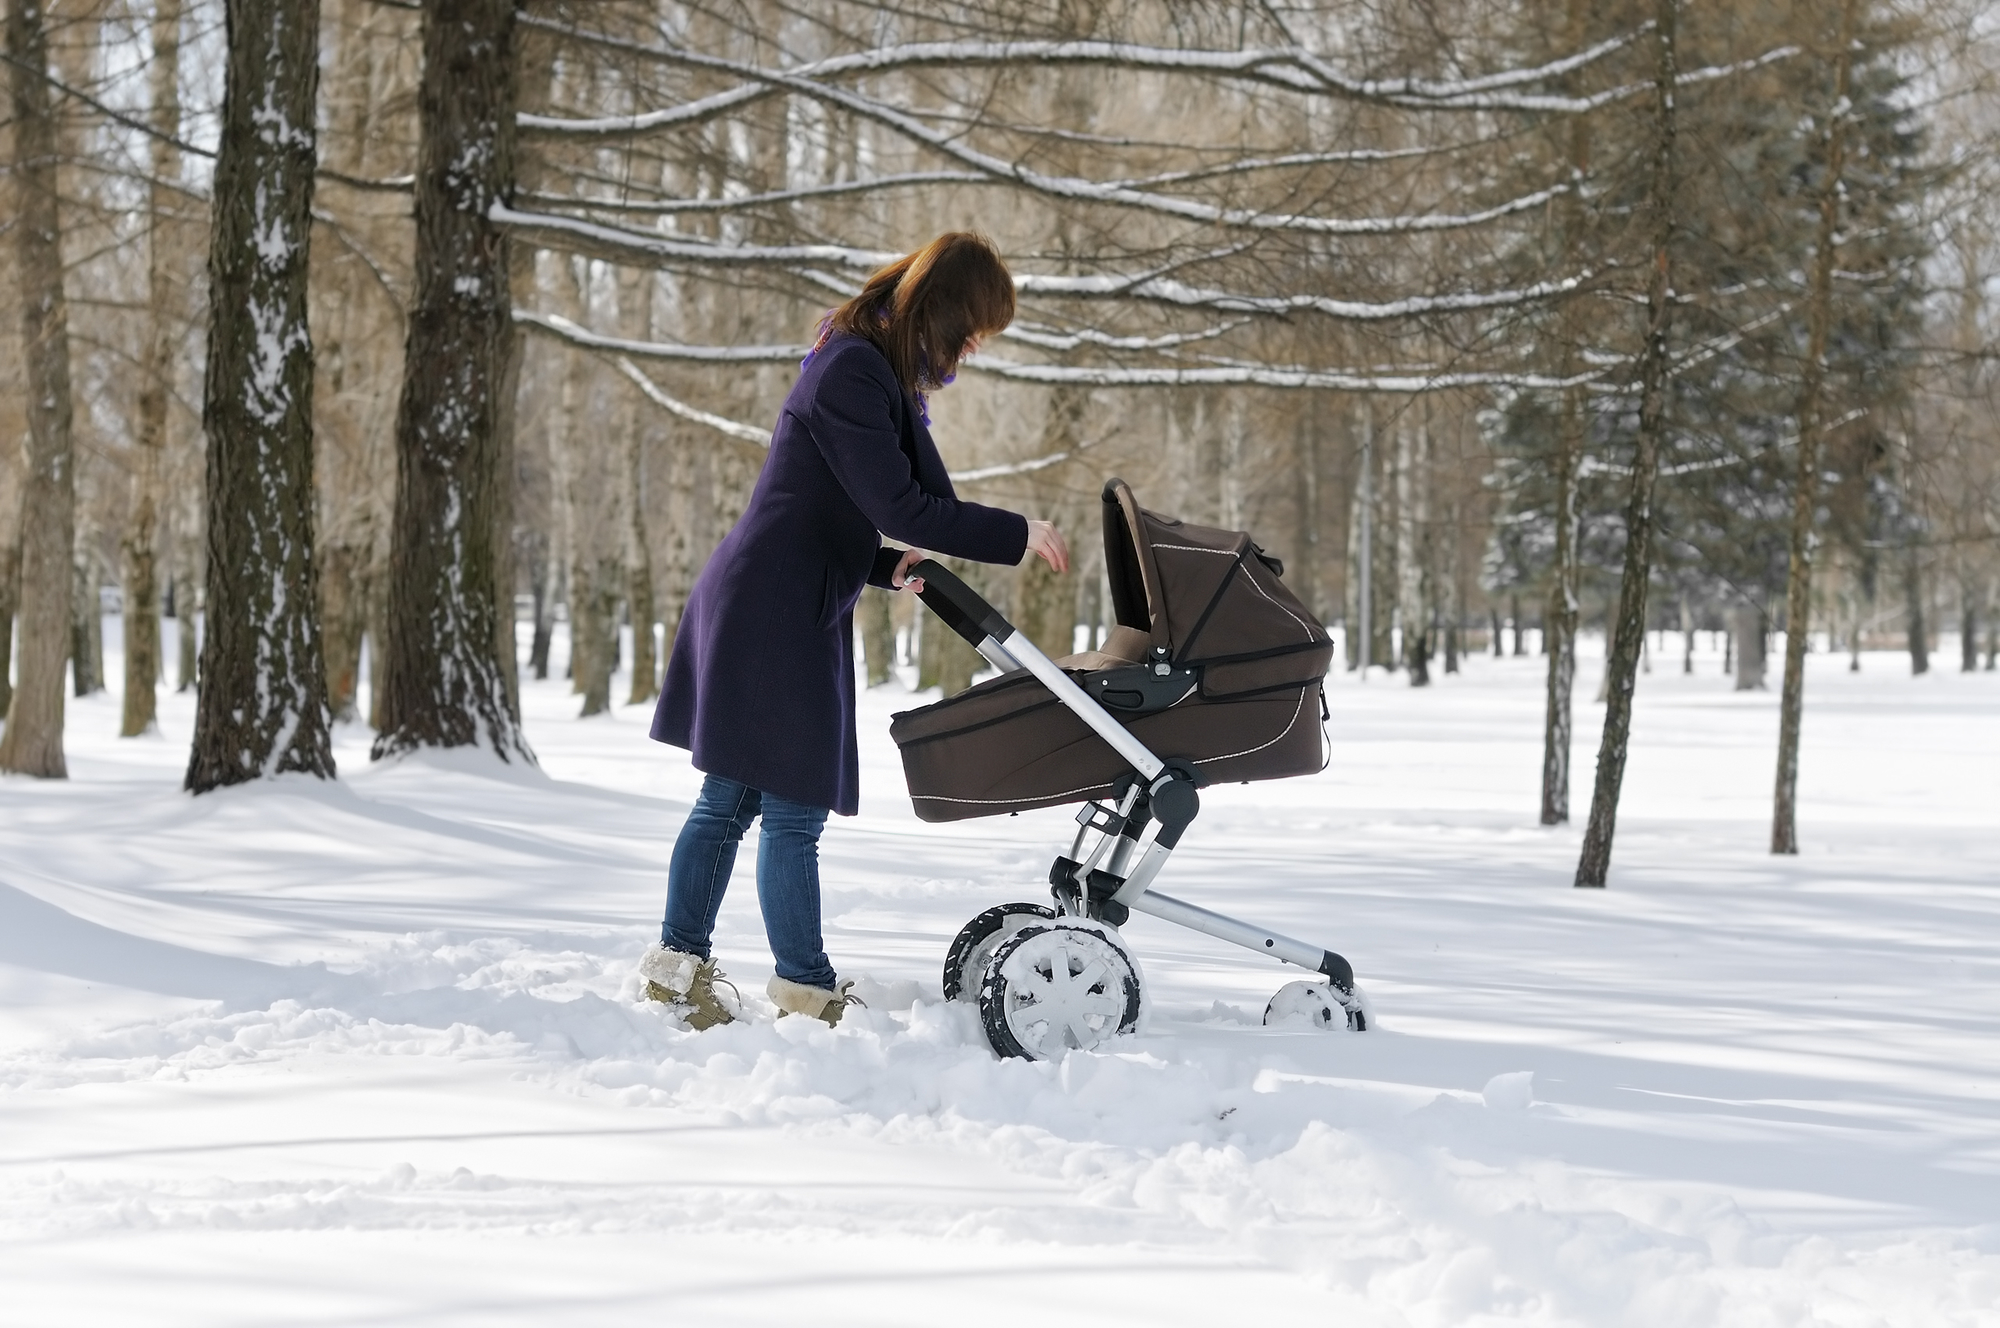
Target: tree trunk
[(1521, 630), (1913, 594), (544, 571), (343, 624), (261, 708), (1687, 636), (1748, 632), (86, 619), (33, 741), (593, 631), (878, 634), (635, 320), (1968, 637), (1559, 619), (10, 588), (1812, 428), (142, 531), (187, 665), (1594, 863), (445, 681)]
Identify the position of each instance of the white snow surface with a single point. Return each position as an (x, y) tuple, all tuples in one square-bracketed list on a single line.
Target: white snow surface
[(368, 1052)]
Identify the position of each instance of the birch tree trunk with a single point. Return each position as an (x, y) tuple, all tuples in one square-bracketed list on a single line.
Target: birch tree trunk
[(261, 707), (142, 532), (1628, 637), (33, 742), (1560, 616), (1812, 429), (444, 681)]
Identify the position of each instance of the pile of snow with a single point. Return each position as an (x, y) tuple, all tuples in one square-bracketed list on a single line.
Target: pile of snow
[(371, 1051)]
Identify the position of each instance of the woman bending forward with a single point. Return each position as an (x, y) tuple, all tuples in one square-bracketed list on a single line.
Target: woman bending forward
[(760, 686)]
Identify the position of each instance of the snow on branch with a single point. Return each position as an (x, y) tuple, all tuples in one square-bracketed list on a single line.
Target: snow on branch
[(563, 329), (1092, 191), (1288, 67), (1239, 375), (743, 202), (652, 249), (747, 433)]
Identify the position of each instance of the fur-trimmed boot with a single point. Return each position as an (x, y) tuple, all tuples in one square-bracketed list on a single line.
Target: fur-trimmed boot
[(797, 998), (675, 977)]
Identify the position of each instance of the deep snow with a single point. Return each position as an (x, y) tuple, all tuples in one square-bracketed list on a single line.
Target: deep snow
[(367, 1053)]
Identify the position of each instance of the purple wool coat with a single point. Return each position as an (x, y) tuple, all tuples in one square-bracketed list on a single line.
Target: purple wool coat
[(760, 686)]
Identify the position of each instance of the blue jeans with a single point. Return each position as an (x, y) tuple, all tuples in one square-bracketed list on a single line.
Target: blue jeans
[(787, 876)]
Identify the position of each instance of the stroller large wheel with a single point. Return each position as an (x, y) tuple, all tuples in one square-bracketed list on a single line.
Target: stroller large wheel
[(1051, 989), (978, 939)]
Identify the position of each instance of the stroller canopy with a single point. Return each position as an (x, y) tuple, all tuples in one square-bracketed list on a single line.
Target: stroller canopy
[(1209, 599)]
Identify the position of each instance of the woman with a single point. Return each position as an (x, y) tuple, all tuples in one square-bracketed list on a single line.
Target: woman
[(761, 683)]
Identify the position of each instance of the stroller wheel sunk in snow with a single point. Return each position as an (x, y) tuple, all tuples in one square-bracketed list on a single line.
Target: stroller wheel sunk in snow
[(1213, 673)]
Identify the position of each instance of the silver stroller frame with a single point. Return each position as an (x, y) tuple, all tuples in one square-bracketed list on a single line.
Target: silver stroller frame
[(1111, 865)]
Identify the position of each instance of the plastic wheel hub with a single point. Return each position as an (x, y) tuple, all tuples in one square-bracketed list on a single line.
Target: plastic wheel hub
[(1052, 989)]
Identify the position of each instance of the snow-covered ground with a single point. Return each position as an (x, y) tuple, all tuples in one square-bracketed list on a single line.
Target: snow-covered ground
[(367, 1053)]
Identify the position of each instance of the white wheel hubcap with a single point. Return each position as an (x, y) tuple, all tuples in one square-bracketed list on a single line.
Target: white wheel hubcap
[(1065, 989)]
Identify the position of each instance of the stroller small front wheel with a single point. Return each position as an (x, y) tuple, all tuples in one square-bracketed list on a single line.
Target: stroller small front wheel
[(1317, 1004), (978, 939), (1069, 985)]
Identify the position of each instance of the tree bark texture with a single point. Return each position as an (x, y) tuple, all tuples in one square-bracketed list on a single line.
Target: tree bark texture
[(33, 742), (10, 590), (1559, 619), (635, 321), (444, 681), (86, 616), (261, 707), (143, 665), (1918, 620), (878, 634), (1747, 631), (1812, 430), (1629, 635)]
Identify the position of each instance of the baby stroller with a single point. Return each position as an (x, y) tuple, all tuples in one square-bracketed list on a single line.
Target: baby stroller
[(1212, 673)]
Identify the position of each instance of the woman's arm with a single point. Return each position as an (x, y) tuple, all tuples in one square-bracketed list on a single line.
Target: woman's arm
[(854, 424)]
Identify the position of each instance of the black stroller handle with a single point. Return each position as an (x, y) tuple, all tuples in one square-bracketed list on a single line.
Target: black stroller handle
[(959, 604)]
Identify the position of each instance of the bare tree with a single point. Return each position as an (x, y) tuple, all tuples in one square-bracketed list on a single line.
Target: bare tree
[(1812, 427), (1628, 638), (262, 702), (445, 683), (142, 532), (33, 742)]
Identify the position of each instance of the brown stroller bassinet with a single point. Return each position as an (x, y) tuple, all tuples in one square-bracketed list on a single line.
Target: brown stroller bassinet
[(1213, 663)]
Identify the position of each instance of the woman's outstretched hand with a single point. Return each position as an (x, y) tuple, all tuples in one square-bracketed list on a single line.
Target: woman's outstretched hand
[(902, 580), (1045, 539)]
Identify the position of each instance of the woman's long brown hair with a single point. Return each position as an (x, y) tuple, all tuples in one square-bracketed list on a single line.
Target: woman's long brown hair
[(922, 309)]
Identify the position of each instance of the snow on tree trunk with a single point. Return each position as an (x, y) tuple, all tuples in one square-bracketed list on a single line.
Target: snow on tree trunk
[(1812, 429), (444, 681), (142, 531), (262, 698), (33, 741), (1629, 631)]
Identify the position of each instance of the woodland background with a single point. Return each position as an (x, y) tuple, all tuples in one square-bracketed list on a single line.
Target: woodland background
[(1389, 284)]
